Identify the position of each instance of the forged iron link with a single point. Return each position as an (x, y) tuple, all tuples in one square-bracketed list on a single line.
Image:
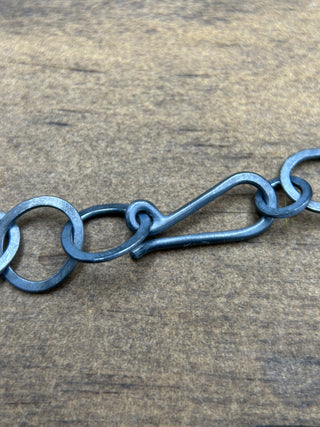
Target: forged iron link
[(145, 220)]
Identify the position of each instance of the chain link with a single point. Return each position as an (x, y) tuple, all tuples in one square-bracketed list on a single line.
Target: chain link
[(145, 220)]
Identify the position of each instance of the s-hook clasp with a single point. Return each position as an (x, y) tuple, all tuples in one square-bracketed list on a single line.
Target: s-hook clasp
[(162, 222)]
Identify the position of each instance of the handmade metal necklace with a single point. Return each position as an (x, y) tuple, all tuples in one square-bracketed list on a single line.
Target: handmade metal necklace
[(145, 221)]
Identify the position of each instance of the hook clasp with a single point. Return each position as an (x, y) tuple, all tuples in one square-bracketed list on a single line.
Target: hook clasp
[(162, 222)]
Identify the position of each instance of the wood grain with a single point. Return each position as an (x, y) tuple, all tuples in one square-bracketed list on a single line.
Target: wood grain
[(106, 102)]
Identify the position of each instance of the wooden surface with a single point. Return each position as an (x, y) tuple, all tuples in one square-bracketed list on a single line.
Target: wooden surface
[(107, 102)]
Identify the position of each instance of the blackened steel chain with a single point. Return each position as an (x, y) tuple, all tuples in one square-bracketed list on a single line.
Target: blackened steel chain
[(145, 220)]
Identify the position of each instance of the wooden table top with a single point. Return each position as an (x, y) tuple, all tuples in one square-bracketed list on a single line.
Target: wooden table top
[(108, 102)]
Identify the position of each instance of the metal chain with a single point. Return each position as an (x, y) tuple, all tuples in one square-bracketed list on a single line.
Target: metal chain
[(145, 220)]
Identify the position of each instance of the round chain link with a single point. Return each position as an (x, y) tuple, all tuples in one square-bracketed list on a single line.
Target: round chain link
[(13, 245), (287, 168), (68, 266), (286, 211), (104, 210)]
